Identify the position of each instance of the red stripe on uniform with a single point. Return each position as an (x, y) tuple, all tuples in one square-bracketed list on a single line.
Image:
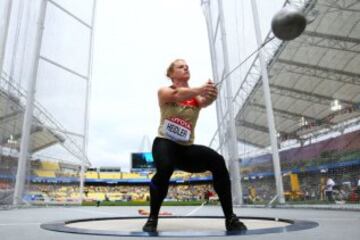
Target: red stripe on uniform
[(191, 102)]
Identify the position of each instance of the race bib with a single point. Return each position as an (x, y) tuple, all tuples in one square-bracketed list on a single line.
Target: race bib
[(177, 129)]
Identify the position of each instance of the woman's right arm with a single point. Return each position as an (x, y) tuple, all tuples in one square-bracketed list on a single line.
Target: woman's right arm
[(167, 94)]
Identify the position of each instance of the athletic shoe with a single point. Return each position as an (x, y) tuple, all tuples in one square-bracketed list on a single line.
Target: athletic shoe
[(150, 225), (233, 224)]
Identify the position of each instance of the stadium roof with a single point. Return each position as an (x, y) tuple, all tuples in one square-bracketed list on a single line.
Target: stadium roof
[(308, 76), (45, 130), (11, 121)]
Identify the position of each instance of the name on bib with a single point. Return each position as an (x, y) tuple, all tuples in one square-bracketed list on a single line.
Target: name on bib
[(177, 129)]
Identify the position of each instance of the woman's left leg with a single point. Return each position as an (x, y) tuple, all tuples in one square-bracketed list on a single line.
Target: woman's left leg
[(197, 158)]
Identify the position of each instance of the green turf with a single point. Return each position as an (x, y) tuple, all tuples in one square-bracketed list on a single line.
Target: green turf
[(143, 203)]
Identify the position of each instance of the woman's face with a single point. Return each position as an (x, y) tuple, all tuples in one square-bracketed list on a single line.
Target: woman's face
[(180, 71)]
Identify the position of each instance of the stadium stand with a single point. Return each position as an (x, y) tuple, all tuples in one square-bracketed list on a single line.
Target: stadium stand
[(50, 165), (132, 175), (181, 175), (53, 169), (109, 175), (44, 173), (91, 175), (324, 154), (304, 171)]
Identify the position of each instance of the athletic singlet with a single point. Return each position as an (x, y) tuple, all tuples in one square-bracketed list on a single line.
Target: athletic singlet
[(178, 120)]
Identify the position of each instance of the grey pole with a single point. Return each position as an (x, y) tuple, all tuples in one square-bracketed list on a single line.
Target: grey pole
[(219, 110), (3, 43), (87, 100), (268, 104), (234, 166), (27, 123), (4, 34)]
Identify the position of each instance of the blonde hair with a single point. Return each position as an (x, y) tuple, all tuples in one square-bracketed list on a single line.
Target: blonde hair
[(170, 69)]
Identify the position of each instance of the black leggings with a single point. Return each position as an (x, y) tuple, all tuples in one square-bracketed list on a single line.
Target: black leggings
[(169, 155)]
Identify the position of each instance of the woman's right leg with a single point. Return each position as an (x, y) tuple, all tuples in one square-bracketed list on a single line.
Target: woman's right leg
[(164, 156), (163, 153)]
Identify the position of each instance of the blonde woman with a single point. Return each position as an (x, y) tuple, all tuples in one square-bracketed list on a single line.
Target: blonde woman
[(174, 146)]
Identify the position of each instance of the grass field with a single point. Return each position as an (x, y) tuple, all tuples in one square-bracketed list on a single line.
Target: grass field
[(142, 203), (191, 203)]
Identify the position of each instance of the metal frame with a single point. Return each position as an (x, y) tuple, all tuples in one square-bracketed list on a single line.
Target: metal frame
[(24, 145), (44, 121)]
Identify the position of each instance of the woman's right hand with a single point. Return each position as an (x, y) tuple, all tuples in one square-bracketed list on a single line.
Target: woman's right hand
[(209, 90)]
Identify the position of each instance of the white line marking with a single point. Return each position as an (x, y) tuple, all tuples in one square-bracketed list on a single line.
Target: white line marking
[(17, 224), (196, 209)]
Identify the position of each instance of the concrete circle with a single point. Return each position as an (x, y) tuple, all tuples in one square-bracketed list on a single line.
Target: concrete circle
[(176, 226)]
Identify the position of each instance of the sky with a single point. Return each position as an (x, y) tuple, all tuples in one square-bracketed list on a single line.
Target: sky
[(134, 43)]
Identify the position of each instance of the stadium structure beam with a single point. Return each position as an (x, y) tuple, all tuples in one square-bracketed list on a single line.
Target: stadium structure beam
[(294, 134), (354, 76), (60, 138), (68, 143), (8, 96), (66, 140), (246, 141), (293, 117), (281, 134), (331, 40), (293, 93), (246, 89), (48, 144), (318, 74), (306, 96), (325, 131), (282, 113), (9, 117), (341, 5), (17, 136), (257, 127), (60, 130), (252, 79), (253, 126)]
